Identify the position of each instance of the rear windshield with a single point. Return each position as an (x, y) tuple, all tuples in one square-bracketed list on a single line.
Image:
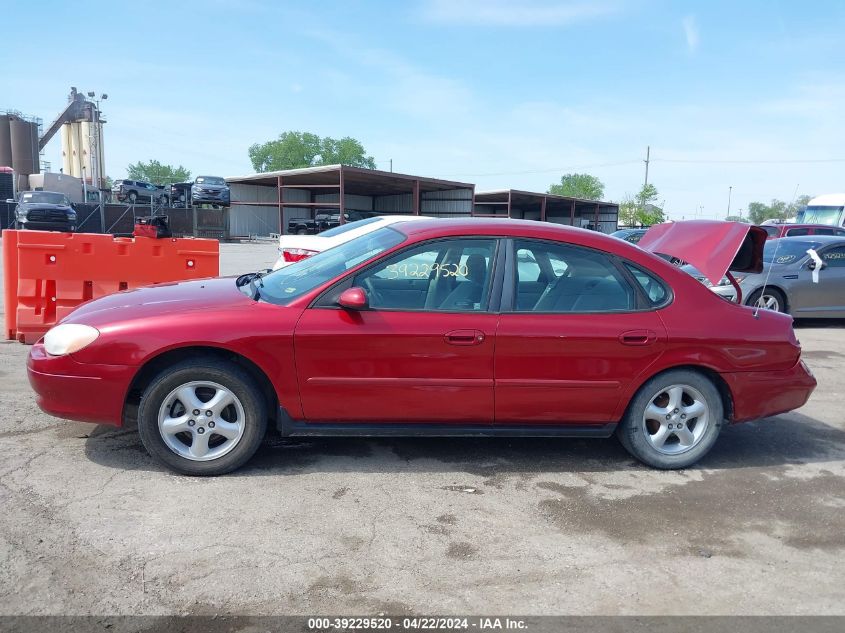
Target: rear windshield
[(787, 251), (349, 226)]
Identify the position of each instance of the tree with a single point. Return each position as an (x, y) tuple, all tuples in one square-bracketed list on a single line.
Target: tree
[(157, 173), (628, 211), (303, 149), (583, 186), (759, 212), (641, 208), (735, 218)]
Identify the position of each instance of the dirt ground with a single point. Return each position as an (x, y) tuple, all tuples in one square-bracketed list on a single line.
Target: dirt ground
[(90, 525)]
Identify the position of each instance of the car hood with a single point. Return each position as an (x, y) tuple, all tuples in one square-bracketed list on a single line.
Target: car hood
[(713, 247), (211, 187), (151, 301), (44, 206)]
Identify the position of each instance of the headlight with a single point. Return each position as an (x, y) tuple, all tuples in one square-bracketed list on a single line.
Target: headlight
[(71, 216), (68, 338)]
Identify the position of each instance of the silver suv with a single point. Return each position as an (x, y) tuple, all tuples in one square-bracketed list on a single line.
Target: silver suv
[(133, 191)]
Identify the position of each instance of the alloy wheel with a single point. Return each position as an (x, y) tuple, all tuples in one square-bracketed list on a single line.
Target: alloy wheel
[(201, 420), (676, 419), (769, 302)]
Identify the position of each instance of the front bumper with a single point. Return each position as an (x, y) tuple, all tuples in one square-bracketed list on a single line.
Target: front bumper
[(49, 226), (210, 198), (760, 394), (68, 389)]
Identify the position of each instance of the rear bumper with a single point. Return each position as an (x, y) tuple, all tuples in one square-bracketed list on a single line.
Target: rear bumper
[(759, 394), (68, 389)]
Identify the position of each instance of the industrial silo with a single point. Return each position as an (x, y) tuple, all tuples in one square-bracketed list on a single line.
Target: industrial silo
[(25, 157), (5, 141)]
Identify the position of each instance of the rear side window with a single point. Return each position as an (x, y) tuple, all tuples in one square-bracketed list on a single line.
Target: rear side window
[(823, 232), (797, 232), (563, 278), (834, 257), (655, 290)]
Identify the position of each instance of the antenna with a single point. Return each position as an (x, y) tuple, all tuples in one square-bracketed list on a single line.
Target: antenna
[(774, 256)]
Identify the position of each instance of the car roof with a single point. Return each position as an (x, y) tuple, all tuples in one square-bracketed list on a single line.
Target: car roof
[(823, 239), (801, 226), (447, 227)]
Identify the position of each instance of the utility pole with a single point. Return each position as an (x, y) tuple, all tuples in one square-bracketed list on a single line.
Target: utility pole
[(646, 161), (391, 165), (730, 189)]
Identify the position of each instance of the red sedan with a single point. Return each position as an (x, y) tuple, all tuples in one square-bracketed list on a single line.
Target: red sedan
[(441, 327)]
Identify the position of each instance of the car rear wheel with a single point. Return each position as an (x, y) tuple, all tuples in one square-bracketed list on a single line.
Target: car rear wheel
[(673, 421), (132, 197), (202, 417), (162, 200), (771, 299)]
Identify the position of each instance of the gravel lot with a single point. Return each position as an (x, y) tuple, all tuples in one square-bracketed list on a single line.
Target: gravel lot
[(90, 525)]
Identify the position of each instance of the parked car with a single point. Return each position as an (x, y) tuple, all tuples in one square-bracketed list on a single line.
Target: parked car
[(133, 191), (629, 235), (398, 332), (786, 283), (180, 193), (210, 190), (775, 231), (323, 220), (294, 248), (44, 211)]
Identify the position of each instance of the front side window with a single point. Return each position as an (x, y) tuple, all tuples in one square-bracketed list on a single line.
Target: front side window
[(288, 283), (571, 279), (446, 275)]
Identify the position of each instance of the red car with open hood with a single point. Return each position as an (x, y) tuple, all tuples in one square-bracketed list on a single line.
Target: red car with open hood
[(442, 327)]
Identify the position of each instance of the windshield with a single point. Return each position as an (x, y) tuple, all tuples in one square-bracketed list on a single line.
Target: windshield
[(349, 226), (210, 180), (288, 283), (45, 197), (821, 215), (787, 251)]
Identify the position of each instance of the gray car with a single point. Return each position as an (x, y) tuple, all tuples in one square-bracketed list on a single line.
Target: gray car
[(787, 281)]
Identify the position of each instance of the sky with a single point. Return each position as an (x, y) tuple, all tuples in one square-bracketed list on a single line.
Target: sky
[(746, 97)]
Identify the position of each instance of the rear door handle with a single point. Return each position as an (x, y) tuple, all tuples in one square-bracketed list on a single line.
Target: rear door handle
[(464, 337), (637, 337)]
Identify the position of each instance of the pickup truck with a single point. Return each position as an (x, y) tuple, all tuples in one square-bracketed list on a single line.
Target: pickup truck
[(323, 220)]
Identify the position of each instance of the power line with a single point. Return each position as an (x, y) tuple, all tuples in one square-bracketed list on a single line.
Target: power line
[(749, 161), (541, 171)]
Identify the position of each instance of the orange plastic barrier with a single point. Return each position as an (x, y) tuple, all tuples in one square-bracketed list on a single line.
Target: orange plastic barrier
[(47, 274)]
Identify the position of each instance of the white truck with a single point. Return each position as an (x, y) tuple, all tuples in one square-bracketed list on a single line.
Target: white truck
[(827, 209)]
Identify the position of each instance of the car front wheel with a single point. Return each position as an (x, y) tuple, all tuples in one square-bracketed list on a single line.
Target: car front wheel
[(202, 417), (673, 421), (771, 299)]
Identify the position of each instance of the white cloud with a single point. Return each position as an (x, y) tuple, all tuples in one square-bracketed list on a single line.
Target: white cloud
[(691, 33), (508, 13)]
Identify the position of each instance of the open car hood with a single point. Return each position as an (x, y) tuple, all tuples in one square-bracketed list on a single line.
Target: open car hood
[(712, 246)]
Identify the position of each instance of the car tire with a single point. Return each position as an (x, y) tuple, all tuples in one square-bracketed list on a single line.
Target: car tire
[(773, 299), (162, 200), (301, 231), (190, 443), (645, 430), (132, 197)]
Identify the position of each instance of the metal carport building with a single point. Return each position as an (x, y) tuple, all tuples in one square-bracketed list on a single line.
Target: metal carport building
[(263, 204), (546, 207)]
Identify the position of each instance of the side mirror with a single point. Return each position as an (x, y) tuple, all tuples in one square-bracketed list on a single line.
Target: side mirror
[(354, 299), (811, 265)]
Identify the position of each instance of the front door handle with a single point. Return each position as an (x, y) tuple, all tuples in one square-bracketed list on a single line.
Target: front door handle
[(464, 337), (637, 337)]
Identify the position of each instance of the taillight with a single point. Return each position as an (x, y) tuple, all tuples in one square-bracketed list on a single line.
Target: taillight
[(297, 254)]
